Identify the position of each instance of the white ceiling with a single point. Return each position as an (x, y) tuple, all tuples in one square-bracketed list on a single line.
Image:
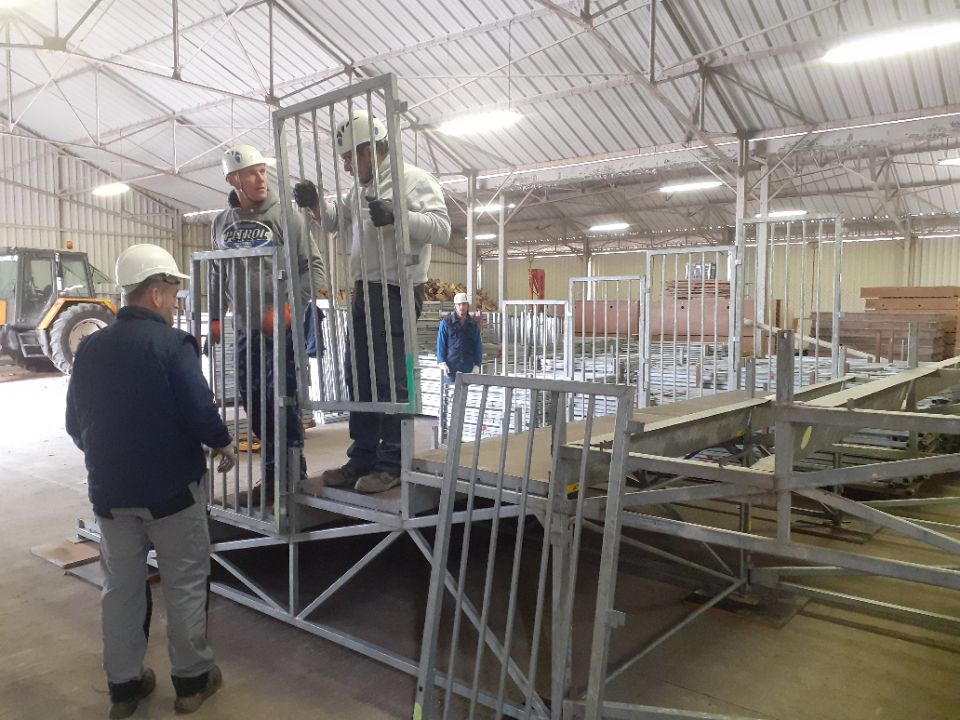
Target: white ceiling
[(97, 78)]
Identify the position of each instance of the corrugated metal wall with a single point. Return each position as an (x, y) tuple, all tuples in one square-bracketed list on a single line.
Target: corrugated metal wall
[(447, 266), (937, 262), (45, 200)]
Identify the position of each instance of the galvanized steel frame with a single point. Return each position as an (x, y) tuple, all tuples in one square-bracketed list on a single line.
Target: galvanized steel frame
[(733, 258)]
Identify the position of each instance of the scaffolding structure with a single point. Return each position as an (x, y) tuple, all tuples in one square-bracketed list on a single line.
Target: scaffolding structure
[(586, 462)]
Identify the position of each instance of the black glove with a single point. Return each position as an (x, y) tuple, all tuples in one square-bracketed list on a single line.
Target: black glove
[(381, 212), (305, 194)]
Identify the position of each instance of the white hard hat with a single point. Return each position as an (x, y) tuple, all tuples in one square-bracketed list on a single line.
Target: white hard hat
[(139, 262), (240, 157), (355, 131), (460, 298)]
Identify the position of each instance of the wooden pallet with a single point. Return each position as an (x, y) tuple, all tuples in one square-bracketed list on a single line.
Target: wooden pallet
[(928, 291)]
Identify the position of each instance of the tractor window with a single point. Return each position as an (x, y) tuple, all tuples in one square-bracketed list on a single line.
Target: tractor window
[(8, 277), (38, 287), (75, 281)]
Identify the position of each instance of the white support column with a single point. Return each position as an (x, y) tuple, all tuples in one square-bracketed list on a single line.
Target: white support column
[(501, 257), (471, 243)]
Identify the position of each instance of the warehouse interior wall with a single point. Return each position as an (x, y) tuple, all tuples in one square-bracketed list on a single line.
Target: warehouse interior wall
[(45, 201)]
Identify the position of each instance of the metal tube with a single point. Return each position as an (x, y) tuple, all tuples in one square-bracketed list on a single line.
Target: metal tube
[(384, 290), (465, 545), (342, 232)]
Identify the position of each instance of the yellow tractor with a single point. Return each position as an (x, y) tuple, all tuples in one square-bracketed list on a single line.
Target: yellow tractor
[(48, 304)]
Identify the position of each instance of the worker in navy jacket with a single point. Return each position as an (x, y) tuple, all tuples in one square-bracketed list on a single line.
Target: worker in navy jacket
[(140, 410), (459, 348)]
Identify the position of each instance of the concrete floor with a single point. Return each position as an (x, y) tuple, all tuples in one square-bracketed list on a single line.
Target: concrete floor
[(821, 665)]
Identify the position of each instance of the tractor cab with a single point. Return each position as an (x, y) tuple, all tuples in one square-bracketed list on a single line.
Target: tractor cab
[(49, 301)]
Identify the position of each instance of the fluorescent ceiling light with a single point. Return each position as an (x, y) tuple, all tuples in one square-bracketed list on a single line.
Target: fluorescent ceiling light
[(940, 235), (197, 213), (479, 123), (898, 42), (686, 187), (485, 236), (110, 189), (783, 213), (609, 227), (950, 161), (492, 208)]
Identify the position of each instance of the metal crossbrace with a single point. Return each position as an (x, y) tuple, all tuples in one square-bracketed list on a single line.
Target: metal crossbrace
[(802, 428), (541, 492)]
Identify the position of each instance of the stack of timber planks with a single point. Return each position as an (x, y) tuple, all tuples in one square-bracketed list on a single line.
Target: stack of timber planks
[(938, 304), (884, 329)]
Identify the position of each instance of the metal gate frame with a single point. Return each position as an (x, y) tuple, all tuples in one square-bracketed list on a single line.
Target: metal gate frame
[(383, 88), (734, 312), (767, 234), (563, 521), (633, 294)]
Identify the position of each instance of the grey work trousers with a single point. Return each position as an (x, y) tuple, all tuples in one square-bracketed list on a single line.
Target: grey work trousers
[(182, 542)]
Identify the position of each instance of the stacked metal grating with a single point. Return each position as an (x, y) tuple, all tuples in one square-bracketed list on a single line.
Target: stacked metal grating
[(437, 401), (684, 370)]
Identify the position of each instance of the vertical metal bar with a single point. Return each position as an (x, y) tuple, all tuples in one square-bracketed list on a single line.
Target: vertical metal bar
[(270, 36), (604, 616), (784, 429), (836, 361), (801, 345), (651, 64), (262, 277), (492, 551), (357, 212), (465, 545), (248, 351), (818, 278), (517, 553), (471, 240), (426, 677), (398, 246), (703, 340), (236, 384), (176, 40)]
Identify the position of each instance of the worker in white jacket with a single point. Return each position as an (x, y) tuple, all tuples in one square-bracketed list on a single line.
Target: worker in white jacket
[(366, 211)]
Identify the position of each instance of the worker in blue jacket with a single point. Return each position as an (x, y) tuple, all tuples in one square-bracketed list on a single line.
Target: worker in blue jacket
[(141, 411), (459, 348)]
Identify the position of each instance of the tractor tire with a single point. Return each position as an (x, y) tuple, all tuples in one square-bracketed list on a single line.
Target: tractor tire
[(70, 327)]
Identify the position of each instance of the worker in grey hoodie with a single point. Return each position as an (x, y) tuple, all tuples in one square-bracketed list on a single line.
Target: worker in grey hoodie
[(366, 212), (254, 220)]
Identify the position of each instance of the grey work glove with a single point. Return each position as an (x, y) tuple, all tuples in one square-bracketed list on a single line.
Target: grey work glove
[(476, 368), (228, 458), (381, 212), (306, 195)]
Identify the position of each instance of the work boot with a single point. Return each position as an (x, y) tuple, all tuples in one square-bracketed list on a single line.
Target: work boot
[(125, 697), (344, 476), (188, 703), (376, 482)]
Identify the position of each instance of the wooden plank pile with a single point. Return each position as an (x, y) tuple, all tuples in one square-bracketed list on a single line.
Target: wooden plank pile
[(937, 303), (690, 288), (886, 334)]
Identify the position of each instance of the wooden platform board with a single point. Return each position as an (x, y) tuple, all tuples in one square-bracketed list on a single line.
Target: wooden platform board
[(927, 291), (68, 554), (489, 454)]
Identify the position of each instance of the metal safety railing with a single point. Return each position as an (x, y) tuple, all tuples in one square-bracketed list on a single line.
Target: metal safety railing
[(603, 323), (244, 286), (489, 602), (532, 338), (689, 320), (365, 268), (791, 272)]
